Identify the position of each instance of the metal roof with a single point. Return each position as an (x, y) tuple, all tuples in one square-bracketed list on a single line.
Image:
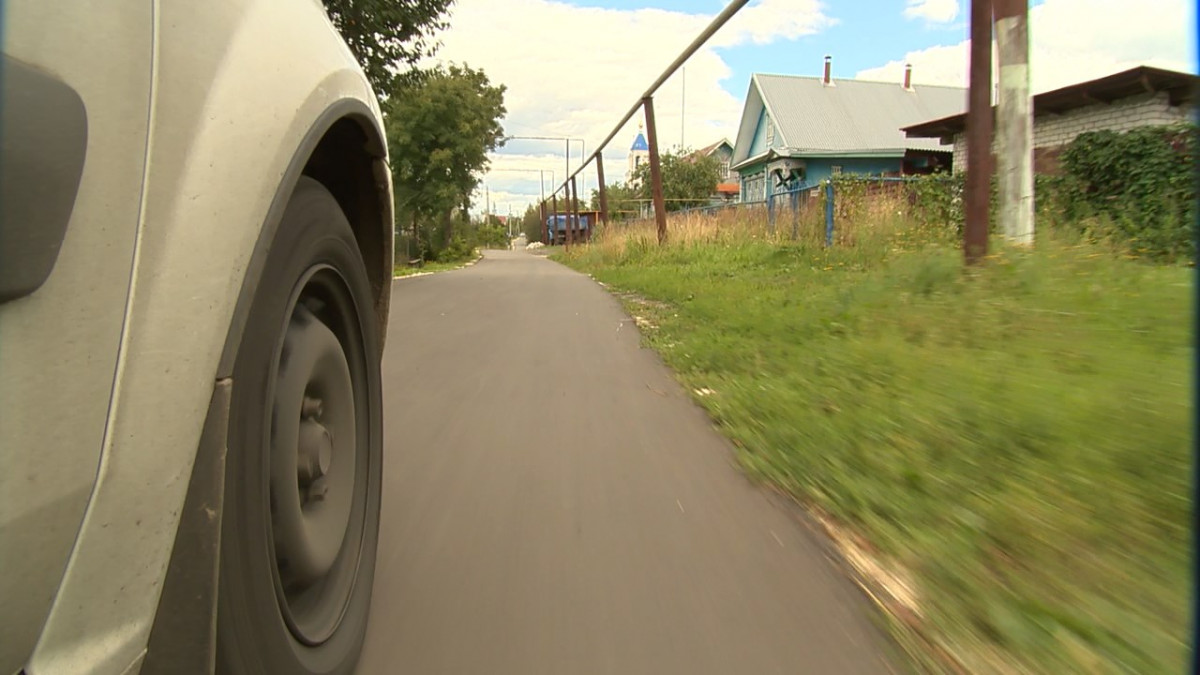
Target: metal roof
[(1180, 88), (852, 117), (640, 143)]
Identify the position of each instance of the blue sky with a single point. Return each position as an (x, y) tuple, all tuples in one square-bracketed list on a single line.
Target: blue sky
[(867, 33), (573, 67)]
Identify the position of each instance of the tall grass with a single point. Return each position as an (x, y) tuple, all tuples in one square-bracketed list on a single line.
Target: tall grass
[(1014, 437)]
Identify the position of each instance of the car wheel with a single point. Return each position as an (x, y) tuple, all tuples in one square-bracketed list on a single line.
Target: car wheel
[(301, 517)]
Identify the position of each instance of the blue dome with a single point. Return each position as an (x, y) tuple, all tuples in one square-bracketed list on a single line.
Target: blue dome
[(639, 143)]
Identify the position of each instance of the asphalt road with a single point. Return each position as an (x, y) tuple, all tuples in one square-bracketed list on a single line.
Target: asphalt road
[(554, 504)]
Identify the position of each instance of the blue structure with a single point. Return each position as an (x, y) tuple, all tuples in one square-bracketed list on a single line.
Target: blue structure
[(799, 131), (556, 226)]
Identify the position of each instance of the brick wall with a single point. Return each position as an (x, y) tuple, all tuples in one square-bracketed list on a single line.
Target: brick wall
[(1051, 131)]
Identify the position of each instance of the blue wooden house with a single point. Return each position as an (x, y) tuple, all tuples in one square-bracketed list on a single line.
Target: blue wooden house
[(798, 131)]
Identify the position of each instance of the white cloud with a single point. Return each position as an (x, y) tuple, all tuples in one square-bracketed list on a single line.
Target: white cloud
[(1073, 41), (933, 11), (574, 71)]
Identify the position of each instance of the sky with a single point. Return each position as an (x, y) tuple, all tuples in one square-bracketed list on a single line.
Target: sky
[(573, 68)]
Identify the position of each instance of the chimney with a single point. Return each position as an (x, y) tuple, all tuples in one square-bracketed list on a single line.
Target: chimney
[(908, 76), (828, 68)]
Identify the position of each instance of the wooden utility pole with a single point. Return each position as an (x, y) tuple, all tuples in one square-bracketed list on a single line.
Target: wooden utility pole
[(567, 214), (603, 194), (979, 133), (554, 223), (542, 213), (575, 204), (656, 187), (1014, 122)]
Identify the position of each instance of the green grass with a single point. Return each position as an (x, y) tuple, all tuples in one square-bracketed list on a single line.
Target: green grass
[(404, 271), (1015, 437)]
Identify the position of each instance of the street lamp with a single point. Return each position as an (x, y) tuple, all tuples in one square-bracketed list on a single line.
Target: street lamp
[(541, 177), (567, 144)]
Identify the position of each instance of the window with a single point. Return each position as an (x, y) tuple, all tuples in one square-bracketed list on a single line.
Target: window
[(724, 170), (770, 133), (835, 170)]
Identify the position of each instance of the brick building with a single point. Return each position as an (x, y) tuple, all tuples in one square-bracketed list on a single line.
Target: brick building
[(1138, 97)]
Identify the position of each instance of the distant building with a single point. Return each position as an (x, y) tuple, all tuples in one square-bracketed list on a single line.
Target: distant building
[(727, 187), (797, 131), (1137, 97), (639, 154)]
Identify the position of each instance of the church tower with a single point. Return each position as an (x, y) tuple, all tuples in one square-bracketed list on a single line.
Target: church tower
[(639, 154)]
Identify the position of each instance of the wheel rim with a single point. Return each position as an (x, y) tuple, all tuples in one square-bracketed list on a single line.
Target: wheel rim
[(318, 456)]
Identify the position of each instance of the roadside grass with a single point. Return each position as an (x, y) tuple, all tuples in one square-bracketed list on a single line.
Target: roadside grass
[(1014, 438), (430, 267)]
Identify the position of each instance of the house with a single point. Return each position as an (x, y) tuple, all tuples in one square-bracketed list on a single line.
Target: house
[(1141, 96), (727, 187), (796, 131)]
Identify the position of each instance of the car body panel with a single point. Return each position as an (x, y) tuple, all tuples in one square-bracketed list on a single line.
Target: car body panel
[(59, 345), (237, 88)]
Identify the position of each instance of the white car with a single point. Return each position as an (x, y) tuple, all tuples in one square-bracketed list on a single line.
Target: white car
[(195, 269)]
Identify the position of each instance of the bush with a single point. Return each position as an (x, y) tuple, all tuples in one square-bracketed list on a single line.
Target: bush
[(1137, 185), (458, 249)]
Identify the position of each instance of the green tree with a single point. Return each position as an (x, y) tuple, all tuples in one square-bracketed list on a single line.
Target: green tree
[(623, 201), (531, 223), (440, 129), (384, 34), (687, 180)]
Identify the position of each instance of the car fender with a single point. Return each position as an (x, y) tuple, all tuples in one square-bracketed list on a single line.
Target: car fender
[(224, 142)]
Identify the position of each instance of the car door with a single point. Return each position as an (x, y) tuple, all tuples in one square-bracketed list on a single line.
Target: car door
[(77, 79)]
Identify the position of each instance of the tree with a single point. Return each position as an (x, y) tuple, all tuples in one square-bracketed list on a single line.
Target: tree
[(384, 34), (531, 223), (622, 201), (440, 129), (687, 180)]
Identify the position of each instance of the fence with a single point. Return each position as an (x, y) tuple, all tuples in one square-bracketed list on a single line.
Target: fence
[(837, 212)]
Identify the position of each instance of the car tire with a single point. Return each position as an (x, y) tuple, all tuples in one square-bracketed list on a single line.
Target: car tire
[(300, 524)]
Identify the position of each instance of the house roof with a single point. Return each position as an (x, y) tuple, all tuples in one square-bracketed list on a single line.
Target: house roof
[(710, 149), (707, 151), (846, 117), (1180, 87)]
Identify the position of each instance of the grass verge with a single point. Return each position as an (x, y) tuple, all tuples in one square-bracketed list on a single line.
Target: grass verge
[(431, 267), (1013, 439)]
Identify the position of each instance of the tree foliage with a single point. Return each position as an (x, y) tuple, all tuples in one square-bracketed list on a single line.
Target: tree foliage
[(440, 129), (1142, 181), (385, 34), (531, 223), (623, 200), (688, 181)]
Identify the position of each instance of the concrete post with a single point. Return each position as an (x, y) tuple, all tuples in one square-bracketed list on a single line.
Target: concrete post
[(1014, 122)]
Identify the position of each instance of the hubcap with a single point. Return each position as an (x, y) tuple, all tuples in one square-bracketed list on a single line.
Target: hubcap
[(316, 462)]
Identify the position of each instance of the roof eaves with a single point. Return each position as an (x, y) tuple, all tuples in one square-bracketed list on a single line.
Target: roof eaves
[(753, 160), (771, 111)]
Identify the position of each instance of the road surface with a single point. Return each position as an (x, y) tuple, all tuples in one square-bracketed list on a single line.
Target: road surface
[(554, 504)]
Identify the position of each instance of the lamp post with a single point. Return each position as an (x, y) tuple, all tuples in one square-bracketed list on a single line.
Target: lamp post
[(567, 141)]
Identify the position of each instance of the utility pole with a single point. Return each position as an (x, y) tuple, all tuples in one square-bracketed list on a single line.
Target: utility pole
[(603, 194), (1014, 122), (979, 133), (682, 105), (656, 188), (487, 204)]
